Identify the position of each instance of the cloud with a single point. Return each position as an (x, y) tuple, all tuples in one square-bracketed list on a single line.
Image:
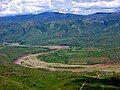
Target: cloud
[(13, 7), (95, 6)]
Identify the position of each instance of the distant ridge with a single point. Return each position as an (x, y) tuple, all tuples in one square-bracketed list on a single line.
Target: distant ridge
[(96, 30), (81, 7)]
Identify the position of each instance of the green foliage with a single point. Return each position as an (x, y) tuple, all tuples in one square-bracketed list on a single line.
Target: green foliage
[(14, 77), (83, 56), (12, 53), (97, 30)]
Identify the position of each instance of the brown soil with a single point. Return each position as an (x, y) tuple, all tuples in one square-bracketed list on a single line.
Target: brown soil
[(32, 61)]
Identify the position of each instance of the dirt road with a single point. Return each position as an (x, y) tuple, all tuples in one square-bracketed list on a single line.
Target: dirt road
[(32, 61)]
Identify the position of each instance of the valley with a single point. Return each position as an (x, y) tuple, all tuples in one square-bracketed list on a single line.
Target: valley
[(32, 61), (55, 51), (22, 68)]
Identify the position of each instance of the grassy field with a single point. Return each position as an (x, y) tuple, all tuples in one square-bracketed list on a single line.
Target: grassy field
[(15, 77), (83, 56), (12, 53)]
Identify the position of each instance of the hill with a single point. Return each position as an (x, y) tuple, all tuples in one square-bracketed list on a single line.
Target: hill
[(87, 32), (96, 30), (15, 77)]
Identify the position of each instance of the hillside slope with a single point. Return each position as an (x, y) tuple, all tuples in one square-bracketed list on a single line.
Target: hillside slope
[(15, 77), (100, 29)]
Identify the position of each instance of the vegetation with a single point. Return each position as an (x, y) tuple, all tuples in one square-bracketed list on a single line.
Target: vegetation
[(14, 77), (12, 53), (83, 56), (94, 39), (97, 30)]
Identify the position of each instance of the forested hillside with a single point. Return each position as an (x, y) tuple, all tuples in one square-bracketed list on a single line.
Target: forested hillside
[(89, 37), (97, 30)]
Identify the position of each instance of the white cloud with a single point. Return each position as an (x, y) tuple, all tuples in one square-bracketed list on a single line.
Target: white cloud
[(11, 7)]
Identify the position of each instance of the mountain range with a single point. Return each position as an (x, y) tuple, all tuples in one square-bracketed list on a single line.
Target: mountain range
[(96, 30)]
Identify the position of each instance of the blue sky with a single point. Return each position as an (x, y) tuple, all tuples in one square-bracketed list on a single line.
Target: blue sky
[(14, 7)]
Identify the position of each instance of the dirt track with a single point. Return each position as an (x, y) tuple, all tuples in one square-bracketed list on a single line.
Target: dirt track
[(32, 61)]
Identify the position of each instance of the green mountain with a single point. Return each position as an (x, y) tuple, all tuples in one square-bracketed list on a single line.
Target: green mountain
[(96, 30)]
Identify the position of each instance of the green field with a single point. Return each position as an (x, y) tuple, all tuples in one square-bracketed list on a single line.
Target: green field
[(12, 53), (15, 77), (83, 56)]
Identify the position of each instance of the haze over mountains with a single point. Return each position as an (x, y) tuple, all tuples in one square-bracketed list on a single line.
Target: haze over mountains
[(15, 7)]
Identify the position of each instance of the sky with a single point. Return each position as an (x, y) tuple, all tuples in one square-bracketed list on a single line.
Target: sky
[(84, 7)]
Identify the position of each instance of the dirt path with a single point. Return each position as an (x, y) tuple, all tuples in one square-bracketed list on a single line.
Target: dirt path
[(32, 61)]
